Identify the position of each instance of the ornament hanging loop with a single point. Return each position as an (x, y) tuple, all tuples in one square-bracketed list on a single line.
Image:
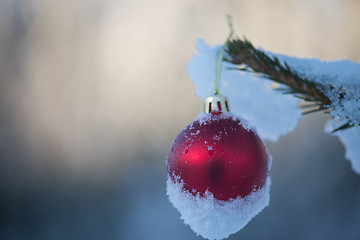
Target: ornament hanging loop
[(218, 103), (220, 57)]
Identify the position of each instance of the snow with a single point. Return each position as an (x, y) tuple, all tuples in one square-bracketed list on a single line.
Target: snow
[(343, 74), (270, 112), (351, 139), (273, 114), (204, 118), (212, 218)]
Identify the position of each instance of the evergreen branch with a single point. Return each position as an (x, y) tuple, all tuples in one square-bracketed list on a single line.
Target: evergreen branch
[(243, 53), (249, 59)]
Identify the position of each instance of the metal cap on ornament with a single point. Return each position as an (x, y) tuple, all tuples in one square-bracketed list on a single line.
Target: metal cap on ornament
[(216, 104)]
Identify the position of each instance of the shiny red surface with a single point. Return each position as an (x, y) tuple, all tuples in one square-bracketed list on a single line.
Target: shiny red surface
[(220, 156)]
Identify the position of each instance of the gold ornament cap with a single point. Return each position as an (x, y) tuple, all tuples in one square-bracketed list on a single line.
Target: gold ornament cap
[(216, 103)]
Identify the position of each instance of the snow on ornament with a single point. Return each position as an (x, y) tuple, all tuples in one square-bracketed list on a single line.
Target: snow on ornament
[(218, 172)]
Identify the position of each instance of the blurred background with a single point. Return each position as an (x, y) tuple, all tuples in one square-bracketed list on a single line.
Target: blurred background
[(93, 93)]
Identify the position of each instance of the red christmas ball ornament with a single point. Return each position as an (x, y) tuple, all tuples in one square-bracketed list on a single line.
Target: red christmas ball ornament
[(218, 153), (218, 172)]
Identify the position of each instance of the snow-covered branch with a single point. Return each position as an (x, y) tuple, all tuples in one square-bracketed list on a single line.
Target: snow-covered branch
[(329, 86)]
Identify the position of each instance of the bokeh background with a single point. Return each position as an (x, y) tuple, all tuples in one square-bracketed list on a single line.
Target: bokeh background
[(93, 92)]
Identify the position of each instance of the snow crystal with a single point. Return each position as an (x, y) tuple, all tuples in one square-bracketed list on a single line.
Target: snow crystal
[(212, 218), (217, 137), (271, 113), (351, 139)]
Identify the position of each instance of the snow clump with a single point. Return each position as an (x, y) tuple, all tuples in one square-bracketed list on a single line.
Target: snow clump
[(212, 218)]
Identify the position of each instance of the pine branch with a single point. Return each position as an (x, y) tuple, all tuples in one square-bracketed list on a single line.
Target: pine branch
[(249, 59)]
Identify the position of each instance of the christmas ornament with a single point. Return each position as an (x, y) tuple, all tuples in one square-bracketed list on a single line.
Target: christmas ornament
[(218, 153), (218, 170)]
